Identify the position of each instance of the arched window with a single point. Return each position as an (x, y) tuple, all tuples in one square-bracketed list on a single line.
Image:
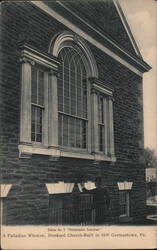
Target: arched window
[(69, 110), (72, 99)]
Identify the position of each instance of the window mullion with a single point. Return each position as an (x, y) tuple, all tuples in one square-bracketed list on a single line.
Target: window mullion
[(111, 130), (45, 110), (75, 132), (35, 123), (82, 93), (36, 106), (80, 129), (94, 118), (68, 121), (53, 110), (63, 86), (37, 86), (69, 90), (62, 128), (76, 80), (105, 126), (88, 122)]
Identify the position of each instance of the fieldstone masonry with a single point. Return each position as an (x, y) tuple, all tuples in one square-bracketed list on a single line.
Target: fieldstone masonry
[(28, 200)]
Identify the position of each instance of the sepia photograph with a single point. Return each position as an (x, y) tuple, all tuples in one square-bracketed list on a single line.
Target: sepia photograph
[(78, 123)]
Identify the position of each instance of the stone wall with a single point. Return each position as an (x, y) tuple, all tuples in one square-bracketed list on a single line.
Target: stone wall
[(27, 202)]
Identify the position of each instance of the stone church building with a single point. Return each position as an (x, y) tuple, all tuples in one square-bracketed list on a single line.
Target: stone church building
[(72, 110)]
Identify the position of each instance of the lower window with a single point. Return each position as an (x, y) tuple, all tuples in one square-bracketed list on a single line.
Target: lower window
[(124, 203), (70, 209)]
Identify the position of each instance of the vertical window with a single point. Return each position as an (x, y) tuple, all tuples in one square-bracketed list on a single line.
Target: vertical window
[(37, 99), (124, 203), (72, 100), (101, 123)]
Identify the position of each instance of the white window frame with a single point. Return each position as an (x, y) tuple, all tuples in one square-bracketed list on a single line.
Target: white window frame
[(49, 146), (126, 187), (99, 88), (44, 141), (127, 203), (30, 58)]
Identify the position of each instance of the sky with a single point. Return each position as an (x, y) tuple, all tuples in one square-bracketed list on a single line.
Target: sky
[(141, 16)]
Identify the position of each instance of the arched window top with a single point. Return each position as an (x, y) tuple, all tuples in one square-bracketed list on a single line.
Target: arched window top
[(74, 61), (71, 40)]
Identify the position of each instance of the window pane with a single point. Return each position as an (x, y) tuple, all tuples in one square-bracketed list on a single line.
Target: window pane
[(65, 130), (39, 138), (101, 109), (84, 134), (123, 209), (72, 131), (41, 88), (122, 197), (123, 202), (34, 85), (79, 100), (78, 136), (36, 125), (33, 136), (101, 137), (84, 100), (60, 129), (33, 124), (60, 91), (37, 99)]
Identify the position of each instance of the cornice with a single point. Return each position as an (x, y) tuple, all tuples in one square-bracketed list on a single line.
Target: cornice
[(98, 85), (95, 37), (114, 44), (31, 55), (127, 27)]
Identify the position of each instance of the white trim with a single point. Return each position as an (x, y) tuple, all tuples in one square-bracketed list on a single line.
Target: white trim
[(89, 185), (53, 111), (60, 187), (56, 152), (112, 42), (25, 107), (5, 188), (126, 26), (102, 89), (125, 185), (61, 41), (40, 59), (81, 33)]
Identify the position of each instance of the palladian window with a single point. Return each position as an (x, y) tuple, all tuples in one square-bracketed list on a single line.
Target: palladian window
[(66, 110)]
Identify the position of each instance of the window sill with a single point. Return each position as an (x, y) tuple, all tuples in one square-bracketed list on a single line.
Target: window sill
[(124, 218), (25, 151)]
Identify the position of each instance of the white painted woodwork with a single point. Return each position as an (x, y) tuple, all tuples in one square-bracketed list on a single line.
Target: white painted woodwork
[(25, 117), (5, 188), (45, 113), (88, 185), (27, 150), (94, 121), (60, 187), (53, 110), (111, 129), (93, 41), (89, 116), (125, 185), (106, 135)]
